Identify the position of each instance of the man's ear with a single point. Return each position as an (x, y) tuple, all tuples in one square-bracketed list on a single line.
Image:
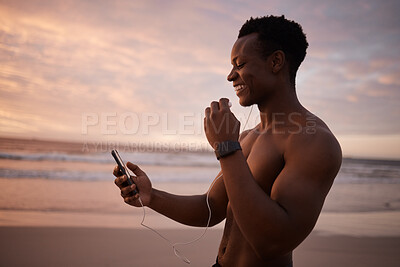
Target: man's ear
[(277, 60)]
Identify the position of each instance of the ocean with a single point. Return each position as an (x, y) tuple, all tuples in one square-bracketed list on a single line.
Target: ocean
[(35, 159), (48, 183)]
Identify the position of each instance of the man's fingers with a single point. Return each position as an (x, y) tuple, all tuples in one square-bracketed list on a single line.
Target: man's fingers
[(207, 112), (135, 168), (128, 191), (121, 181), (214, 106), (132, 199), (117, 172), (224, 103)]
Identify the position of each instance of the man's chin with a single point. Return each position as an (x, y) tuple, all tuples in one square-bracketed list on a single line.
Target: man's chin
[(245, 102)]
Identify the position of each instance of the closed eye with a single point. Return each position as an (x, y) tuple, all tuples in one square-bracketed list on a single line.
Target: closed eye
[(239, 66)]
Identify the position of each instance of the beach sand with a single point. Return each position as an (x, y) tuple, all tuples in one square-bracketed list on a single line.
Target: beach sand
[(77, 223), (75, 246)]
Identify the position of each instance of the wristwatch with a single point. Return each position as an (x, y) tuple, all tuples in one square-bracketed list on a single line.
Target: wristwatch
[(226, 148)]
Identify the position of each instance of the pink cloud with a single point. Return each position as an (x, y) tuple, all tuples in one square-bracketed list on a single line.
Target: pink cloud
[(64, 58)]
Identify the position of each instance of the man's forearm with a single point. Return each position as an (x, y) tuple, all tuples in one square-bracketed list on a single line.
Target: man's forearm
[(188, 210)]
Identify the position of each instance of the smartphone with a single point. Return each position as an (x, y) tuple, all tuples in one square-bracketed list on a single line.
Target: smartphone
[(123, 167)]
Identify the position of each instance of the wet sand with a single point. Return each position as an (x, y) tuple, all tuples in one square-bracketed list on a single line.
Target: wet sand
[(66, 246), (77, 223)]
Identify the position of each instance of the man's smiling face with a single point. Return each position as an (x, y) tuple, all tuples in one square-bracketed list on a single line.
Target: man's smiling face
[(251, 74)]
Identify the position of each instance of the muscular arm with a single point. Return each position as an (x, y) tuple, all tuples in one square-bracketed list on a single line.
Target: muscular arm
[(274, 225), (192, 210), (189, 210)]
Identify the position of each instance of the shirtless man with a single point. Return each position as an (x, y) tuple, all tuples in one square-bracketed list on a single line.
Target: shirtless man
[(273, 188)]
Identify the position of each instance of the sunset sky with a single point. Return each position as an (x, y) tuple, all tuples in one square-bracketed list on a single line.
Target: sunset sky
[(143, 71)]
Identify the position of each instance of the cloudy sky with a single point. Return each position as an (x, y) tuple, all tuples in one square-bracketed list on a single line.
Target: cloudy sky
[(143, 71)]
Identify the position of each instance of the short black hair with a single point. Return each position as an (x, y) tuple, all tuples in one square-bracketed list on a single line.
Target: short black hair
[(278, 33)]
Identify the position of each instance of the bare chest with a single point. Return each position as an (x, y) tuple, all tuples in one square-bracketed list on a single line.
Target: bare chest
[(264, 154)]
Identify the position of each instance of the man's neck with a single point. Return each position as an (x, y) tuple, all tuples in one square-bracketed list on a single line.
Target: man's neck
[(279, 107)]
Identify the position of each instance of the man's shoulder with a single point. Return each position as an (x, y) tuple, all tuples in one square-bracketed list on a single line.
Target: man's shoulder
[(244, 134), (313, 135), (316, 144)]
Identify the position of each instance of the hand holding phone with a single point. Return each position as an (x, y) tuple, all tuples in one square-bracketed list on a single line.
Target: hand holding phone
[(123, 168)]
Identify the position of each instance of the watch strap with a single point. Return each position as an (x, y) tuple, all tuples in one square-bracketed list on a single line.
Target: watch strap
[(227, 148)]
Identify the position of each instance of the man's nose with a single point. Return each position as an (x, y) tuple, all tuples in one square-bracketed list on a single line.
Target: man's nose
[(232, 75)]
